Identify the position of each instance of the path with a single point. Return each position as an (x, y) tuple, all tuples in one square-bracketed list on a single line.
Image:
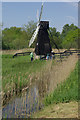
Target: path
[(61, 70), (58, 73), (61, 110)]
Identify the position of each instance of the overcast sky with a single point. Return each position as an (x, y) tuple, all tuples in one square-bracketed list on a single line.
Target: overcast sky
[(57, 13)]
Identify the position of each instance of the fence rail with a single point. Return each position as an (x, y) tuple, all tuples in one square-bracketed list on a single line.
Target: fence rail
[(21, 54), (65, 53)]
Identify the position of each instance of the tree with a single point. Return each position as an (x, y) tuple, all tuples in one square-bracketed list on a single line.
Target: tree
[(9, 37), (55, 38), (67, 28), (30, 28), (18, 38), (69, 36), (71, 39)]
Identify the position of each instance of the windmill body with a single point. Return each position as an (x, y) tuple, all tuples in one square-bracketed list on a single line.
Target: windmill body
[(43, 46)]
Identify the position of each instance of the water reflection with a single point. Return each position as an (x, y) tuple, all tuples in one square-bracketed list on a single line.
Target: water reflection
[(31, 101)]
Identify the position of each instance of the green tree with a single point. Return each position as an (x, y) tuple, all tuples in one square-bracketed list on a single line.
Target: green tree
[(30, 29), (18, 38), (55, 38), (71, 39), (69, 36), (67, 28)]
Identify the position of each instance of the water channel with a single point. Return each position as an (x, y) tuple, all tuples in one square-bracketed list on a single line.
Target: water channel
[(30, 101)]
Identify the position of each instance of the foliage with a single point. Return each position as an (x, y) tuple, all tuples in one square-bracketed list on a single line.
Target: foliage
[(16, 71), (71, 39), (66, 91), (13, 38), (19, 37), (67, 28), (30, 28), (55, 38), (69, 36)]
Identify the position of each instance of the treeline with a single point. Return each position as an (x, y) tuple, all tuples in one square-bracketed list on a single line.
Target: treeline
[(18, 38)]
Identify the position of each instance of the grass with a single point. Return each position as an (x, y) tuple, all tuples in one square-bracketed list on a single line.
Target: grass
[(16, 72), (66, 91), (63, 101)]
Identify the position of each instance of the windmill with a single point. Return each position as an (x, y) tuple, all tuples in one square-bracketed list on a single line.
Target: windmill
[(42, 32), (43, 46)]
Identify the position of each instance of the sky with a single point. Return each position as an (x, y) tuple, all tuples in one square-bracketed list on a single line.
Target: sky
[(57, 13)]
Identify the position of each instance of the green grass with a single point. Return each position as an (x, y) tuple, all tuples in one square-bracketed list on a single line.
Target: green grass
[(66, 91), (17, 71)]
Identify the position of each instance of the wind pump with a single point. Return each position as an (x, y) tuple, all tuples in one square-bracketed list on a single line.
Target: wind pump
[(42, 32), (43, 42), (43, 46)]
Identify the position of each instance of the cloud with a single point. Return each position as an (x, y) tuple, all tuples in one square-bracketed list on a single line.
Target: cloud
[(71, 19), (74, 4)]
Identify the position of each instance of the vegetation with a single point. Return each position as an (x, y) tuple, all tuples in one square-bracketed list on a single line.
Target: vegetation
[(66, 91), (70, 36), (55, 37), (18, 38), (16, 72)]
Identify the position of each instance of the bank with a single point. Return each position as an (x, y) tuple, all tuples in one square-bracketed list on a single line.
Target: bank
[(18, 73), (63, 101)]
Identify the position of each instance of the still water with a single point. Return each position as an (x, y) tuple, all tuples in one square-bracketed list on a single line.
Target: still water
[(28, 102)]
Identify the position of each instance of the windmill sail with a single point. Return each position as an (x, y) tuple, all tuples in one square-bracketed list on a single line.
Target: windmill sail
[(37, 29), (34, 36), (41, 13)]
